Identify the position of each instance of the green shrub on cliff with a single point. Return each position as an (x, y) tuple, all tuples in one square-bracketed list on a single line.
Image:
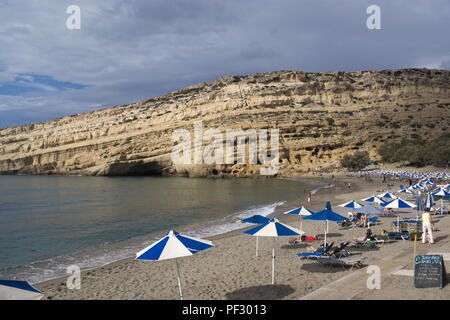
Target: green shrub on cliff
[(417, 151), (357, 161)]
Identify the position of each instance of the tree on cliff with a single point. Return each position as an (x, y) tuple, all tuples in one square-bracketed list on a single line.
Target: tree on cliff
[(357, 161)]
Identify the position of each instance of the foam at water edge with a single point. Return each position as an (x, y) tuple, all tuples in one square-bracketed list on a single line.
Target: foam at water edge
[(56, 267), (263, 210)]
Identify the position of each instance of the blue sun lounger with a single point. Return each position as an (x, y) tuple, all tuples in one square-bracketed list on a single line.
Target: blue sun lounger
[(318, 253)]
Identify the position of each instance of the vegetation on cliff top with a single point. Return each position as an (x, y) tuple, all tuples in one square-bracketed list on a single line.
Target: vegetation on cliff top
[(417, 151)]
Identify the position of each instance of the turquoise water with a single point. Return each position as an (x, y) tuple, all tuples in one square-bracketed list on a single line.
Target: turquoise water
[(50, 222)]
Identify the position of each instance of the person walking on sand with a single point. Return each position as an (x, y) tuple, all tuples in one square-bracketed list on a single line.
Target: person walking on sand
[(427, 227), (309, 198)]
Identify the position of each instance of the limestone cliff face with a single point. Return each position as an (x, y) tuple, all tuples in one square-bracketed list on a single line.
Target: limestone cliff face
[(321, 117)]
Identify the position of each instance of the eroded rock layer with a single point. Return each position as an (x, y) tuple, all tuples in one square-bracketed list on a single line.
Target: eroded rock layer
[(321, 117)]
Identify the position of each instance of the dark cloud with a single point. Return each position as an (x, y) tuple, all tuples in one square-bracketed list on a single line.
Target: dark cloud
[(131, 50)]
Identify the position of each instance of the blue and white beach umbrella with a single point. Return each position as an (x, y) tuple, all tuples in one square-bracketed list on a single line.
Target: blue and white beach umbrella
[(442, 194), (274, 228), (420, 207), (351, 204), (326, 215), (18, 290), (387, 195), (300, 211), (173, 245), (256, 219), (374, 199), (398, 204), (429, 201), (369, 210)]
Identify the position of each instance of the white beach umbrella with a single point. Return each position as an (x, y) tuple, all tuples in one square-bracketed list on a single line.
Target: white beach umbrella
[(18, 290), (398, 204), (374, 199), (387, 195), (173, 245), (300, 211), (274, 228), (351, 204)]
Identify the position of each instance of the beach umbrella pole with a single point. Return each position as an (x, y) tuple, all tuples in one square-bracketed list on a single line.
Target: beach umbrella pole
[(326, 228), (179, 281), (256, 245), (273, 262)]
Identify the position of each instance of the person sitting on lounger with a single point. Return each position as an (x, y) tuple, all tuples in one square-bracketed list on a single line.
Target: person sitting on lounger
[(368, 237), (304, 238), (363, 220)]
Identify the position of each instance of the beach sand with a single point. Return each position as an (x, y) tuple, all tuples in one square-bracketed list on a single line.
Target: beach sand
[(231, 270)]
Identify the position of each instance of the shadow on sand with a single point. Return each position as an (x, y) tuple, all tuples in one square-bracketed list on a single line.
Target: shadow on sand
[(329, 235), (296, 246), (316, 267), (266, 292)]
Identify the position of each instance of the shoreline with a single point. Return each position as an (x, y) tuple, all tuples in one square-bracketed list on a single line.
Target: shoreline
[(321, 190), (277, 213), (231, 270)]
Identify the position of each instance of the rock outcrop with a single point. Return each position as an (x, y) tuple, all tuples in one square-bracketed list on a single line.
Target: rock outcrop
[(321, 117)]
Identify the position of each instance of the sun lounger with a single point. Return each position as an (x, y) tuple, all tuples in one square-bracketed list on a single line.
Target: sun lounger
[(340, 251), (366, 243), (373, 220), (348, 262), (318, 253), (349, 223), (403, 235)]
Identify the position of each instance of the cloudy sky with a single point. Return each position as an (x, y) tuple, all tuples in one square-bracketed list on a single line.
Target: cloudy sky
[(128, 50)]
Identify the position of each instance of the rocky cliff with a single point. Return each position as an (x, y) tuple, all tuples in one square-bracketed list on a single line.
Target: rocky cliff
[(321, 117)]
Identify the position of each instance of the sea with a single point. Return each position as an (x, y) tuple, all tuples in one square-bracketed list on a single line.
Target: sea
[(48, 223)]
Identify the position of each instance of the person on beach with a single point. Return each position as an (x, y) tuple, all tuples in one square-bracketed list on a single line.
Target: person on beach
[(432, 209), (368, 237), (309, 198), (349, 185), (427, 227)]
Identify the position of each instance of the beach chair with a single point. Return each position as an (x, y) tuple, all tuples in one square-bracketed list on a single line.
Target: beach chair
[(405, 235), (320, 252), (373, 221), (350, 223), (340, 251), (366, 243), (381, 239), (349, 262)]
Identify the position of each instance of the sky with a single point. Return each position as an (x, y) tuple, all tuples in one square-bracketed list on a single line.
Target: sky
[(129, 50)]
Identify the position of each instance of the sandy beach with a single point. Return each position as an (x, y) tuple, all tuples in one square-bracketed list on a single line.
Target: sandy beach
[(231, 270)]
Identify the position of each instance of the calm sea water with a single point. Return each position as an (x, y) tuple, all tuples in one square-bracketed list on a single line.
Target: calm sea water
[(49, 222)]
